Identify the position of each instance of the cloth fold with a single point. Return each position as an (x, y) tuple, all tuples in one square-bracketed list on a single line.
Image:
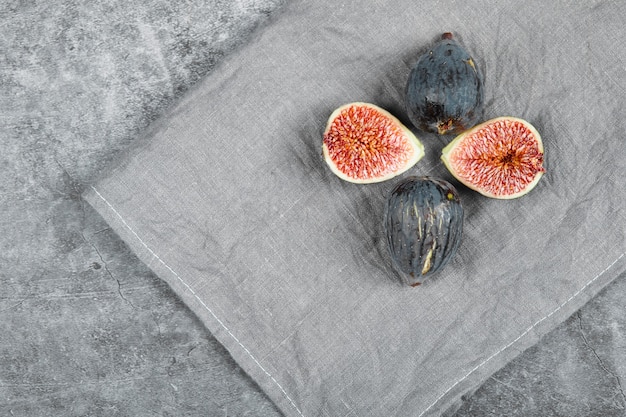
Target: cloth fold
[(228, 200)]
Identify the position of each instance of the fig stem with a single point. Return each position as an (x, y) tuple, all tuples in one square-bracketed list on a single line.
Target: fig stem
[(447, 35)]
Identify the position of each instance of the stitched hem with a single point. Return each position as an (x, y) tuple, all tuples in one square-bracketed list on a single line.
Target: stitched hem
[(208, 309), (524, 333)]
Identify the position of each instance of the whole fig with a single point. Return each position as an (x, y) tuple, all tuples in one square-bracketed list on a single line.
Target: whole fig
[(444, 92), (423, 223)]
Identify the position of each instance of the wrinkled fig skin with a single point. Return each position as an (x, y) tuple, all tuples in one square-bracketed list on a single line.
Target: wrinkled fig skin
[(444, 92), (424, 225)]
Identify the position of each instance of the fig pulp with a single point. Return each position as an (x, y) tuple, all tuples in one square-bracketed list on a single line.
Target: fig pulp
[(423, 224), (363, 143), (500, 158), (444, 92)]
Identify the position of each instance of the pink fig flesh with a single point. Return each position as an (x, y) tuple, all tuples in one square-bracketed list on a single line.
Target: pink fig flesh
[(500, 158), (364, 143)]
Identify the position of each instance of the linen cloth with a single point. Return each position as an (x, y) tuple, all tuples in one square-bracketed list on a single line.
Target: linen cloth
[(228, 200)]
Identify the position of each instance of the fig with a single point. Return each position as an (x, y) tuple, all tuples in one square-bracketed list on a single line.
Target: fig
[(444, 92), (423, 225), (500, 158), (364, 143)]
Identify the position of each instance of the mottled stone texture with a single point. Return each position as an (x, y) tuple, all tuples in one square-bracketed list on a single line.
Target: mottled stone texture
[(87, 329), (577, 370)]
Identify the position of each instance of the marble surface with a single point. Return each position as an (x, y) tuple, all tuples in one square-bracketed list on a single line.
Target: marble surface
[(86, 328)]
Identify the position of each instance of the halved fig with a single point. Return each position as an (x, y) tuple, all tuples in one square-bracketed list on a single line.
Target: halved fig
[(364, 143), (500, 158)]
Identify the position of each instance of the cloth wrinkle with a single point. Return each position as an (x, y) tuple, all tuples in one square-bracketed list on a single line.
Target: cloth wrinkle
[(524, 333), (190, 289), (293, 260)]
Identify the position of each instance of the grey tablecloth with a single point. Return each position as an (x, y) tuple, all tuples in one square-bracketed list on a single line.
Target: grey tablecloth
[(228, 200)]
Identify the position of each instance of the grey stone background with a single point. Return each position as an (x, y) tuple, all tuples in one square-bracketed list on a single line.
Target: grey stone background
[(85, 328)]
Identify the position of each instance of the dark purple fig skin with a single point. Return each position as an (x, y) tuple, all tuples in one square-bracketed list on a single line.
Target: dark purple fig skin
[(424, 225), (444, 93)]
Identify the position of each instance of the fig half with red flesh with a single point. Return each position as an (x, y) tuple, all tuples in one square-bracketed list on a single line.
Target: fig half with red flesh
[(364, 143), (500, 158)]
